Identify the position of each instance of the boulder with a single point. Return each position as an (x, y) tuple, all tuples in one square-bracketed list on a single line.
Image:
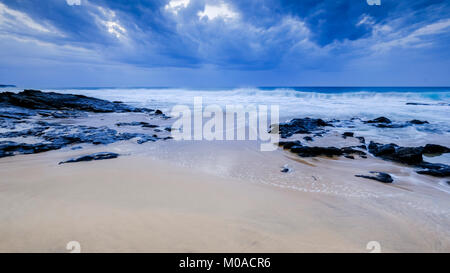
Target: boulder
[(92, 157), (380, 120), (301, 126), (34, 99), (393, 152), (435, 149), (378, 176), (434, 169)]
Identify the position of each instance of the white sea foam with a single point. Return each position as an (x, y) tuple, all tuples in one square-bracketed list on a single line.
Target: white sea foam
[(340, 104)]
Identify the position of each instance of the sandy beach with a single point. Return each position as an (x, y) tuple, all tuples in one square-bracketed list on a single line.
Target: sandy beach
[(225, 126), (138, 203)]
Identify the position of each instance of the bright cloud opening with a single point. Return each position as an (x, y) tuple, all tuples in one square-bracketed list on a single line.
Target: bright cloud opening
[(73, 2), (115, 28), (112, 24), (175, 5), (221, 10)]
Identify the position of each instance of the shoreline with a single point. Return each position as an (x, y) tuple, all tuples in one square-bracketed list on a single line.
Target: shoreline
[(134, 204), (162, 195)]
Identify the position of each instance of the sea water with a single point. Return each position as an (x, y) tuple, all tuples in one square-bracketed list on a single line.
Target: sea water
[(400, 104)]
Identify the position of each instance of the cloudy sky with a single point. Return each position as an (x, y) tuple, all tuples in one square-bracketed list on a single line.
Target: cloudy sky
[(224, 43)]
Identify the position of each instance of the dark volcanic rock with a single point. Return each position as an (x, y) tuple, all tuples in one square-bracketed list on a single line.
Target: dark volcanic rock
[(418, 122), (383, 122), (9, 148), (379, 176), (434, 169), (289, 144), (27, 106), (416, 103), (137, 123), (61, 114), (57, 136), (380, 120), (301, 126), (308, 138), (285, 169), (435, 149), (92, 157), (406, 155), (413, 156), (33, 99), (350, 151), (306, 151), (347, 134)]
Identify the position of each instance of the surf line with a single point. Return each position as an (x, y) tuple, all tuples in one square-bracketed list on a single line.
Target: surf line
[(235, 122)]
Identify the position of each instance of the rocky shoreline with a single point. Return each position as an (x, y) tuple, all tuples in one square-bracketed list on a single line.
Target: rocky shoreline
[(37, 111), (410, 156), (38, 115)]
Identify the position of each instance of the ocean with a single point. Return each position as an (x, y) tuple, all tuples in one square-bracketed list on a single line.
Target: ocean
[(400, 104)]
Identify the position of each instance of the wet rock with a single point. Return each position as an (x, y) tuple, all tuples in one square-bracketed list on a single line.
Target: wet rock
[(36, 131), (61, 114), (137, 123), (361, 140), (285, 169), (413, 156), (34, 99), (10, 148), (418, 122), (393, 152), (434, 169), (301, 126), (416, 103), (25, 106), (289, 144), (145, 138), (379, 176), (380, 120), (5, 154), (351, 150), (435, 149), (305, 151), (92, 157), (308, 138), (347, 134), (56, 136), (383, 122), (349, 157), (158, 112), (362, 147)]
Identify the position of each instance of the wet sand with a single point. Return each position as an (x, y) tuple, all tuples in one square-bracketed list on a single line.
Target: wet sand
[(214, 197)]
